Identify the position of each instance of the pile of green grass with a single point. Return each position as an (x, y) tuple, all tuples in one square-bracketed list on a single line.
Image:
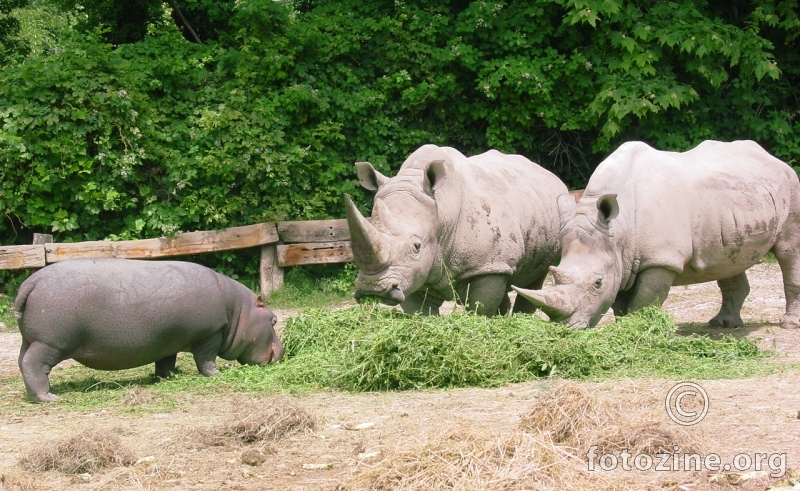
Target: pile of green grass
[(371, 348)]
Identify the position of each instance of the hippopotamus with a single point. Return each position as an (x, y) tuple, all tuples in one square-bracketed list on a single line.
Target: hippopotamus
[(447, 226), (113, 314), (650, 219)]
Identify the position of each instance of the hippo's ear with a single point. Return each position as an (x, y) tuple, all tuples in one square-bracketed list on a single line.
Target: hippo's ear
[(369, 177), (260, 302), (435, 175), (607, 208)]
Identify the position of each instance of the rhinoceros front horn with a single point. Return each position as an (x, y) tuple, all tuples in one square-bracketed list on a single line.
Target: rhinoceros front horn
[(370, 246), (552, 302)]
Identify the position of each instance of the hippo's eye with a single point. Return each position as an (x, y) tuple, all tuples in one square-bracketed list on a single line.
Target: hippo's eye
[(417, 246), (598, 283)]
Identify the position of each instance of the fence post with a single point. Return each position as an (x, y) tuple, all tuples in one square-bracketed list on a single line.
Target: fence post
[(42, 238), (270, 274)]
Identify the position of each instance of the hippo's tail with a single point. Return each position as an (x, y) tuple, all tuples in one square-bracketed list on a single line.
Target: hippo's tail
[(22, 297)]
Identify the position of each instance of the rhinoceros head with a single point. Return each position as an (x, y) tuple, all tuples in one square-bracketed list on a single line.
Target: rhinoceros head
[(395, 250), (589, 274)]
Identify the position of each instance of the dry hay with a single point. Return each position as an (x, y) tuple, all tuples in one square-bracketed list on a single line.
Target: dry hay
[(546, 451), (256, 421), (86, 452), (574, 416)]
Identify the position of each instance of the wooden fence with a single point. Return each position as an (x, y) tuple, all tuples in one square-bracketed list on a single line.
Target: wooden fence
[(283, 244)]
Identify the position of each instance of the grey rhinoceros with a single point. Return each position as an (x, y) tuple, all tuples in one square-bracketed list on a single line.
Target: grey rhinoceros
[(450, 226), (113, 314), (651, 219)]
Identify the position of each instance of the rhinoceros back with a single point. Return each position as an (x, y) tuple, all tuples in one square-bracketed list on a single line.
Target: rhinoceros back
[(503, 211), (704, 213)]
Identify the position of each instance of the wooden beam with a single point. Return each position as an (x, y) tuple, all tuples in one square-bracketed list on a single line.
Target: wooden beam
[(314, 231), (179, 245), (23, 256), (270, 274), (314, 253)]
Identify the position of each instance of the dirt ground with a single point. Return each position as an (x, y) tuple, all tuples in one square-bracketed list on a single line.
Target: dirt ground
[(355, 433)]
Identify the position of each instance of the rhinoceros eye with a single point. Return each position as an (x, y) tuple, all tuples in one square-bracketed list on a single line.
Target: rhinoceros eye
[(417, 246), (598, 283)]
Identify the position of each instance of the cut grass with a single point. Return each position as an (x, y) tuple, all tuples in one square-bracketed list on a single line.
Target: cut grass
[(372, 348)]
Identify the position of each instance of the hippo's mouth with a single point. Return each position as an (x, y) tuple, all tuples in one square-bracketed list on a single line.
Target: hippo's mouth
[(392, 296)]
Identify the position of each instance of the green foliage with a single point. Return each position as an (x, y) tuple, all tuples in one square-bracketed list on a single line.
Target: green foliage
[(315, 287), (12, 48), (7, 314), (123, 129)]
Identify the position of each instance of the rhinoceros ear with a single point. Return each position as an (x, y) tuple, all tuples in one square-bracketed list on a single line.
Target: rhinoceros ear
[(607, 208), (369, 177), (566, 208), (435, 175)]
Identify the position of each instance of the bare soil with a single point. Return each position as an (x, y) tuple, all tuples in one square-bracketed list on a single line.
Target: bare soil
[(358, 433)]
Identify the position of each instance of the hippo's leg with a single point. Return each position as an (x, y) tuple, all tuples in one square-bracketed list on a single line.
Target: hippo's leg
[(205, 355), (422, 302), (521, 304), (734, 290), (165, 367), (36, 360), (650, 288), (484, 294), (786, 252)]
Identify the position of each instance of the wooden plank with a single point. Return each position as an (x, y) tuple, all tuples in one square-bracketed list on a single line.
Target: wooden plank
[(314, 253), (180, 244), (314, 231), (23, 256), (270, 274)]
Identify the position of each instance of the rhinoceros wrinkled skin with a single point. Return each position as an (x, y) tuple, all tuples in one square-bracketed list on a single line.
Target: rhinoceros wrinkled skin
[(114, 314), (447, 226), (650, 219)]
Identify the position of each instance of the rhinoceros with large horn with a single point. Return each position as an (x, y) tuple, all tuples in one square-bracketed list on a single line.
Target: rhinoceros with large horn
[(447, 226), (650, 219)]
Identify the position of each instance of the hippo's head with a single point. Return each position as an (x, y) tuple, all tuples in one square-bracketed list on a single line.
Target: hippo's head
[(396, 249), (589, 275), (255, 341)]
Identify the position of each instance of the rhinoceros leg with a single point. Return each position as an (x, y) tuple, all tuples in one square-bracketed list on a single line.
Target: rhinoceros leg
[(622, 302), (786, 252), (650, 288), (205, 355), (36, 360), (484, 294), (166, 366), (734, 290), (421, 302), (521, 304)]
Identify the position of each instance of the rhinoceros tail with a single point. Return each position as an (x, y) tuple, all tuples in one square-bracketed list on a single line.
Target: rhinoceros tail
[(22, 297)]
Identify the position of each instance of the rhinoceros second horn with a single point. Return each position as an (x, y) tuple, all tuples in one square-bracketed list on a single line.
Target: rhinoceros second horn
[(370, 246), (548, 301)]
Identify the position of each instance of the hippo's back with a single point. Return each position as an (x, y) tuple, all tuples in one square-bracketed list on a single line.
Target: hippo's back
[(87, 306)]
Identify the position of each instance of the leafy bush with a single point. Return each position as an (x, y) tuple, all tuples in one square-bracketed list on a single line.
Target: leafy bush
[(264, 120)]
